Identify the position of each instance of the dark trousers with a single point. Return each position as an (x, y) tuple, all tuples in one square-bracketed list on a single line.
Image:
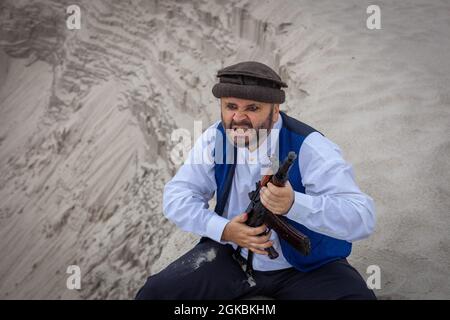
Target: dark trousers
[(208, 271)]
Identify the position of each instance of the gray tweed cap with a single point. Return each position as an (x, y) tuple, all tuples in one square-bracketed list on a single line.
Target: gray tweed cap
[(250, 80)]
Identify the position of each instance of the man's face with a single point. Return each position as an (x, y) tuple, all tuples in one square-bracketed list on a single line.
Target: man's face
[(243, 119)]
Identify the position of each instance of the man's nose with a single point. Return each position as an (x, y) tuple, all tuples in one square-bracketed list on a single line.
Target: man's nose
[(239, 116)]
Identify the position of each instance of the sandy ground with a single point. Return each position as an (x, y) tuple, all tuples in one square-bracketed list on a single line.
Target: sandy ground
[(86, 118)]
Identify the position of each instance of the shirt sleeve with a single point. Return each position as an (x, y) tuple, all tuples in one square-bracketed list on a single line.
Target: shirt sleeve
[(186, 195), (332, 203)]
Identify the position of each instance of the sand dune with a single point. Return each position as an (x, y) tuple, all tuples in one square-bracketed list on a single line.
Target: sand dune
[(86, 117)]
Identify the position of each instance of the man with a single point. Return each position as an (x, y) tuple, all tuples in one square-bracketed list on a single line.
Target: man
[(321, 199)]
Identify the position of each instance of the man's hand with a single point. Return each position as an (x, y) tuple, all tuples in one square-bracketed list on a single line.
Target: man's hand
[(279, 200), (247, 237)]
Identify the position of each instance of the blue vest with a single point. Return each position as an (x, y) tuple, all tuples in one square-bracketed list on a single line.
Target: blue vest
[(323, 248)]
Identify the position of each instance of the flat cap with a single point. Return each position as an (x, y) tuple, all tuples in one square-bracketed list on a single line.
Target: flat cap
[(250, 80)]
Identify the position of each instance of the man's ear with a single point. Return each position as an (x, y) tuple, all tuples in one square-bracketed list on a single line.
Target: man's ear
[(276, 112)]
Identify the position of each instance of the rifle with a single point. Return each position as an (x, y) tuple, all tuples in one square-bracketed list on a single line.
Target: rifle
[(258, 215)]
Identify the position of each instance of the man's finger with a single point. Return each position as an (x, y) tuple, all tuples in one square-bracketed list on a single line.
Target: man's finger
[(267, 235), (268, 196), (264, 245), (240, 218), (258, 240), (258, 251), (267, 203), (258, 230), (274, 190)]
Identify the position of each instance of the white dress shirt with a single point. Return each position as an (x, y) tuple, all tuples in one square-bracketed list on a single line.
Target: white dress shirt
[(332, 204)]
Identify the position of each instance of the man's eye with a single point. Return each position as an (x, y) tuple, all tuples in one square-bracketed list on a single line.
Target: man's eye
[(252, 108), (231, 107)]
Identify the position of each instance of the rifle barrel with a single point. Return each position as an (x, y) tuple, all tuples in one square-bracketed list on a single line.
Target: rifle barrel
[(280, 178)]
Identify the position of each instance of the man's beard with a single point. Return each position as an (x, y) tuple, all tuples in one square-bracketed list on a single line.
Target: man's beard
[(251, 136)]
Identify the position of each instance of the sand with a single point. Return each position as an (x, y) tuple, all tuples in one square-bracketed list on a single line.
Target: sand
[(86, 118)]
